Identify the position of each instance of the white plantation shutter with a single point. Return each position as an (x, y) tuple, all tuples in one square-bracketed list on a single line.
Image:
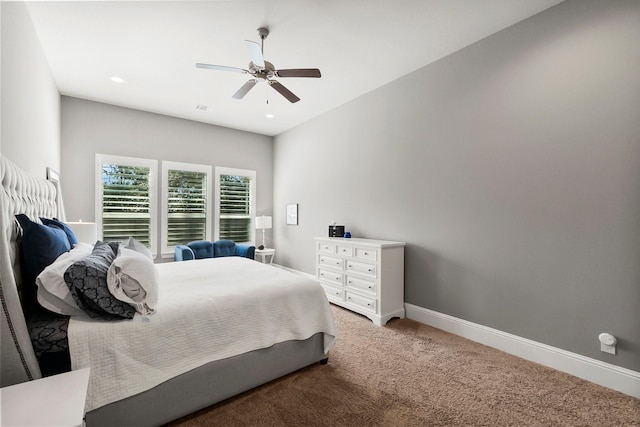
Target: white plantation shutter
[(125, 205), (186, 207), (235, 208), (235, 189)]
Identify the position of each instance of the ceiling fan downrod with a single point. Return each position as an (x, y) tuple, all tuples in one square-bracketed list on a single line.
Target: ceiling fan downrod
[(263, 32)]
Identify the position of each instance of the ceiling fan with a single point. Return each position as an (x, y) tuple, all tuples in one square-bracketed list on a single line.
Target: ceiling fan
[(260, 69)]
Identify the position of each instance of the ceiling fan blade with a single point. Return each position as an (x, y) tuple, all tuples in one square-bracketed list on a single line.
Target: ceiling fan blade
[(255, 53), (244, 89), (284, 91), (299, 72), (221, 68)]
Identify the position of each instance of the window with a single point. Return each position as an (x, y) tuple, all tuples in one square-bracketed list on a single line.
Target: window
[(126, 199), (126, 202), (235, 204), (186, 204)]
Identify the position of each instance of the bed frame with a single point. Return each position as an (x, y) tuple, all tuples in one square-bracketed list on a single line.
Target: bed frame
[(177, 397)]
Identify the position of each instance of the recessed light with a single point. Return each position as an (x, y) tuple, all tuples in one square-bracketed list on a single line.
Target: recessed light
[(269, 116), (117, 79), (202, 107)]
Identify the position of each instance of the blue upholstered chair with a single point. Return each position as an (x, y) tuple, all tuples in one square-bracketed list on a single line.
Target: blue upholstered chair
[(220, 248)]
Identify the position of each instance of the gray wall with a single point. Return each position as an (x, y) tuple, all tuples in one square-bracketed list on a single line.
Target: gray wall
[(91, 127), (511, 169), (30, 110)]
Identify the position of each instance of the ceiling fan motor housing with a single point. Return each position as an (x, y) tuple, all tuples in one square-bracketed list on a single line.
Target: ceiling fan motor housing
[(262, 73)]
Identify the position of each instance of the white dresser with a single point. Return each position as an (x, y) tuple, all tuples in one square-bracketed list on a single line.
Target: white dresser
[(363, 275)]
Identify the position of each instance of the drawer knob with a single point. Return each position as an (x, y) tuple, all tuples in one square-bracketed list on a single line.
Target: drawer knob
[(369, 286), (369, 304), (366, 253), (369, 270)]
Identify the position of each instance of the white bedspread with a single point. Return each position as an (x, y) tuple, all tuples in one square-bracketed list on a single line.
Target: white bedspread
[(207, 310)]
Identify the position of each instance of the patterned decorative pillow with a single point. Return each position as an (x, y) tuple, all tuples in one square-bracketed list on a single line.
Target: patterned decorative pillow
[(87, 281), (53, 292)]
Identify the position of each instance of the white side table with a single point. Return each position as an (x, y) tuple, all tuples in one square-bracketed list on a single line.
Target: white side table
[(52, 401), (264, 255)]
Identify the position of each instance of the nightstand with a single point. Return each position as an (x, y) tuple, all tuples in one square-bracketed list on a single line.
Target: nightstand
[(41, 403), (264, 254)]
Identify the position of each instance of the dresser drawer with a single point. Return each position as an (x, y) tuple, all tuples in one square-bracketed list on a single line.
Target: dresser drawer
[(330, 276), (365, 303), (331, 262), (333, 293), (366, 253), (326, 248), (346, 251), (368, 286), (362, 268)]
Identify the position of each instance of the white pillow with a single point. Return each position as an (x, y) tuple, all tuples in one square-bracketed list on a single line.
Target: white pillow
[(132, 278), (53, 293), (139, 247)]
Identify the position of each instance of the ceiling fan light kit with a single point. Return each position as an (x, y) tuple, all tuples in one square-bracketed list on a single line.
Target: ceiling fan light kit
[(261, 70)]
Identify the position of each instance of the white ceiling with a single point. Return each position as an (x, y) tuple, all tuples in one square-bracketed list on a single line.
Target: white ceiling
[(358, 45)]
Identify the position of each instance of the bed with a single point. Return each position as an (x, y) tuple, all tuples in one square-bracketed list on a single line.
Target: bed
[(220, 327)]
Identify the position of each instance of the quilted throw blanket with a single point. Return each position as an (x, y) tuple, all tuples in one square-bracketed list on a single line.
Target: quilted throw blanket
[(207, 310)]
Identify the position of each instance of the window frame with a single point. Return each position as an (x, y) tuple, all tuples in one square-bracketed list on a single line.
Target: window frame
[(153, 202), (167, 165), (221, 170)]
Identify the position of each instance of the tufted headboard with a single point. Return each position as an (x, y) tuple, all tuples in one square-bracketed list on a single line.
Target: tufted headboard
[(36, 197)]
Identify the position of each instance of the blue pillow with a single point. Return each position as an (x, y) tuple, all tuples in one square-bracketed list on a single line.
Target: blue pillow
[(41, 245), (55, 222)]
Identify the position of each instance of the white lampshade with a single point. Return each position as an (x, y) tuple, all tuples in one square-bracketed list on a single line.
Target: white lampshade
[(263, 222), (86, 232)]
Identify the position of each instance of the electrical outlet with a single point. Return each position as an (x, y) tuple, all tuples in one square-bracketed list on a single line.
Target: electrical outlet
[(608, 348), (607, 343)]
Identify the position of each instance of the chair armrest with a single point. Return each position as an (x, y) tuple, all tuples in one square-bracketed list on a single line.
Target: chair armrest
[(246, 250), (183, 253)]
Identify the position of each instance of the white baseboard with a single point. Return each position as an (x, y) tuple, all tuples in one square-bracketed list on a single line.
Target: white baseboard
[(621, 379)]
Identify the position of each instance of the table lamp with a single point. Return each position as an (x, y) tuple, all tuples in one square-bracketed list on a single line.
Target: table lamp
[(262, 223)]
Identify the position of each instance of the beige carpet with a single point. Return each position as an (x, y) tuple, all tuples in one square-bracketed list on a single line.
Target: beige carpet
[(409, 374)]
